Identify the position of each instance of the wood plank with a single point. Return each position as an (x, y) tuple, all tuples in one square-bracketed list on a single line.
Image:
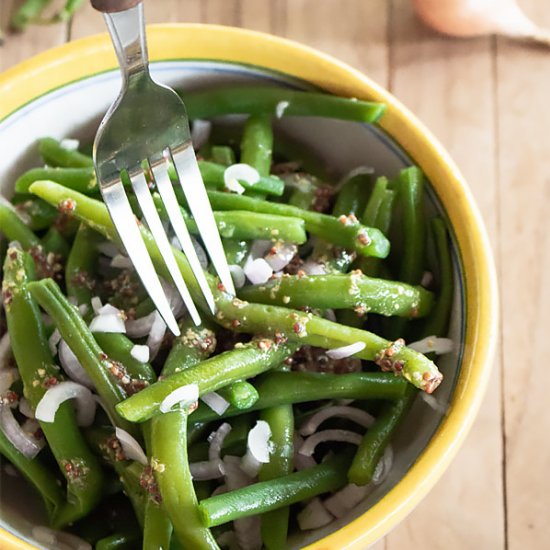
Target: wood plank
[(523, 89), (20, 46), (433, 76)]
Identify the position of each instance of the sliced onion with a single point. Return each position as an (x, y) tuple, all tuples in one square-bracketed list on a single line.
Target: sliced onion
[(5, 348), (330, 315), (313, 268), (156, 335), (434, 403), (174, 298), (281, 255), (241, 171), (346, 351), (235, 187), (383, 467), (314, 515), (345, 436), (433, 344), (61, 392), (106, 410), (83, 309), (25, 408), (258, 271), (200, 132), (341, 502), (216, 402), (301, 462), (108, 322), (280, 108), (22, 441), (72, 367), (53, 340), (358, 171), (427, 279), (96, 304), (7, 378), (227, 539), (258, 249), (359, 416), (60, 540), (138, 328), (140, 353), (257, 448), (70, 144), (121, 262), (201, 254), (184, 396), (108, 249), (216, 440), (238, 276), (207, 469), (132, 449)]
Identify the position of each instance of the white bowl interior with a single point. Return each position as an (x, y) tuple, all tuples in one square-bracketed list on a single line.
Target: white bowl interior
[(75, 111)]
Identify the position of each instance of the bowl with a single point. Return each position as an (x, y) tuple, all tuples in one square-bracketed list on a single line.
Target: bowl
[(64, 92)]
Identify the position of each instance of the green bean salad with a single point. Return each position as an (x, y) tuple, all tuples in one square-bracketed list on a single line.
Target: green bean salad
[(275, 415)]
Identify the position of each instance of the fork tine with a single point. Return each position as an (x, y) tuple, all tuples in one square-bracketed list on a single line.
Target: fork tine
[(164, 186), (124, 220), (195, 192), (141, 190)]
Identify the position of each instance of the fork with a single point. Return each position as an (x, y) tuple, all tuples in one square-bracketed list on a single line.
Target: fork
[(144, 130)]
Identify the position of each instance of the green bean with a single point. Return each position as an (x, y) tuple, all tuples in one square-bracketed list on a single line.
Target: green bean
[(255, 100), (15, 229), (175, 482), (270, 495), (106, 374), (342, 291), (284, 388), (82, 180), (53, 242), (28, 12), (78, 465), (222, 154), (257, 143), (210, 375), (255, 318), (38, 476), (347, 233), (119, 541), (375, 201), (38, 214), (236, 251), (68, 11), (54, 154), (240, 394), (352, 196)]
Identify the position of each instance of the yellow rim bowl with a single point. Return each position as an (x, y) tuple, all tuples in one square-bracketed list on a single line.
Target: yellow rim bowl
[(82, 58)]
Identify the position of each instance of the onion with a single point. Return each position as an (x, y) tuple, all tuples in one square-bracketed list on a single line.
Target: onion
[(121, 262), (281, 255), (238, 276), (220, 489), (341, 502), (132, 449), (25, 408), (243, 172), (216, 440), (108, 249), (346, 351), (200, 133), (83, 309), (10, 470), (207, 469), (106, 410), (5, 348), (235, 187), (357, 171), (433, 344), (22, 441), (257, 448), (483, 17), (201, 254), (7, 378), (72, 367), (258, 249), (383, 467), (69, 144), (258, 271), (427, 279), (280, 108), (313, 268), (140, 353), (434, 403), (359, 416), (314, 515), (138, 328), (96, 304), (60, 540), (61, 392), (227, 539), (184, 396), (23, 216), (301, 462), (108, 322), (156, 335), (53, 340), (174, 298), (216, 402), (346, 436)]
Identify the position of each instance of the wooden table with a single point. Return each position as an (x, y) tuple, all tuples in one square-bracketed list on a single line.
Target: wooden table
[(488, 101)]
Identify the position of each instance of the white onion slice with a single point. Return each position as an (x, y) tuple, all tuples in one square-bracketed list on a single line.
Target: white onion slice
[(182, 396), (434, 403), (427, 279), (257, 448), (60, 540), (281, 255), (301, 462), (359, 416), (433, 344), (5, 348), (121, 262), (140, 353), (138, 328), (22, 441), (156, 335), (70, 144), (258, 271), (345, 436), (238, 276), (313, 268), (258, 249), (346, 351), (280, 108), (200, 132), (235, 187), (216, 402), (241, 171), (7, 378), (108, 249), (96, 304), (314, 515), (383, 467), (108, 322), (109, 309), (132, 449), (83, 309), (61, 392), (72, 367), (25, 408), (53, 340), (346, 499), (216, 440), (207, 469)]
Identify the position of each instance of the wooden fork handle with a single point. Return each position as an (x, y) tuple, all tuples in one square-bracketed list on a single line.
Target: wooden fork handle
[(114, 6)]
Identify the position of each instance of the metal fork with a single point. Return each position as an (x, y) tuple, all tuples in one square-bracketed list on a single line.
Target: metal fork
[(144, 129)]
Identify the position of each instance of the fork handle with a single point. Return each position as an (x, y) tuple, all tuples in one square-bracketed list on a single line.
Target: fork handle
[(114, 6)]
